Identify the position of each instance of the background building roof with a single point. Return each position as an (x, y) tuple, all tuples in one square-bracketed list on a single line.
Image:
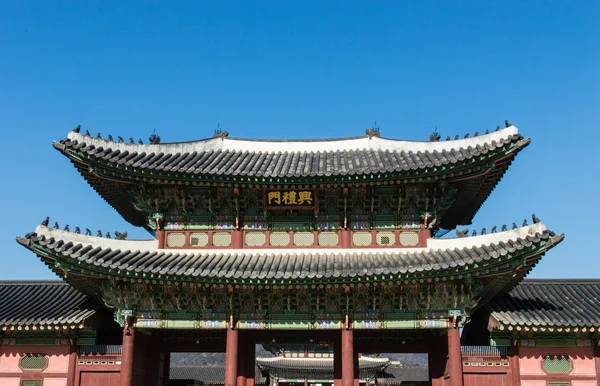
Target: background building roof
[(549, 303), (43, 303)]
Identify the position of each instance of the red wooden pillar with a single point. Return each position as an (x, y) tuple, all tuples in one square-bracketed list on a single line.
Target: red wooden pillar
[(437, 356), (347, 358), (126, 377), (337, 361), (514, 363), (231, 358), (597, 358), (454, 358), (160, 236), (72, 365), (345, 239), (242, 360), (237, 239), (424, 235), (165, 367)]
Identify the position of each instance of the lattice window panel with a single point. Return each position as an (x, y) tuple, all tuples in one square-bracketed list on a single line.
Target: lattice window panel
[(279, 239), (175, 239), (328, 239), (362, 239), (199, 239), (34, 362), (409, 239), (31, 383), (304, 239), (256, 239), (385, 239), (557, 364), (221, 239)]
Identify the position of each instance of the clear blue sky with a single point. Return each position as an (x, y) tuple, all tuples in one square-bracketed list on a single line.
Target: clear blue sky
[(302, 69)]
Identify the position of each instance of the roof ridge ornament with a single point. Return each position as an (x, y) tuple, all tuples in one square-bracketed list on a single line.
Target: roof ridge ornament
[(373, 131), (154, 138), (435, 136), (220, 133)]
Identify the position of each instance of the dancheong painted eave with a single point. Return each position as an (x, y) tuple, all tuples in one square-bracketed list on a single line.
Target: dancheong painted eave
[(228, 157), (515, 250)]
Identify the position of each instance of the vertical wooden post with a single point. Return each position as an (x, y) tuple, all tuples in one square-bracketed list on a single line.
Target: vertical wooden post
[(237, 239), (347, 358), (345, 238), (514, 363), (126, 377), (231, 357), (72, 364), (166, 367), (454, 358), (596, 343), (424, 235), (160, 236), (437, 357), (337, 360), (242, 360)]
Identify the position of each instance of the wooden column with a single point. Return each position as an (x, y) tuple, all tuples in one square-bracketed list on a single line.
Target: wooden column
[(597, 357), (242, 360), (165, 365), (348, 358), (437, 356), (514, 363), (160, 236), (231, 358), (126, 377), (237, 239), (345, 238), (454, 358), (72, 365), (337, 360)]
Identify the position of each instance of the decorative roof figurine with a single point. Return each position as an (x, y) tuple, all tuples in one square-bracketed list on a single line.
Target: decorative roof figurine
[(154, 138)]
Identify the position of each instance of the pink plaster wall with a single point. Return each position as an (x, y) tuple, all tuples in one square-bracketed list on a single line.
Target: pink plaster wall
[(10, 381), (533, 383), (583, 383), (58, 358), (530, 359), (55, 382)]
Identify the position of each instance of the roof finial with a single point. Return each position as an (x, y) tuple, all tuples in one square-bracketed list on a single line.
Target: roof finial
[(220, 133), (154, 138), (77, 129), (435, 136), (373, 131), (507, 123)]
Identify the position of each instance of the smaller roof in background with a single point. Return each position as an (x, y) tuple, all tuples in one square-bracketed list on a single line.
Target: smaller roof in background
[(549, 303), (43, 303)]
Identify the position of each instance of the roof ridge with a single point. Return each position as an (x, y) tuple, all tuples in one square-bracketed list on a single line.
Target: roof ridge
[(559, 280), (33, 282)]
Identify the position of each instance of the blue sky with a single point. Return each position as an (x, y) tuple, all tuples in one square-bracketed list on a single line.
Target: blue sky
[(302, 69)]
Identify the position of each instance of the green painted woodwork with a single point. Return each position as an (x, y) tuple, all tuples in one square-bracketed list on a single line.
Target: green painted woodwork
[(553, 364)]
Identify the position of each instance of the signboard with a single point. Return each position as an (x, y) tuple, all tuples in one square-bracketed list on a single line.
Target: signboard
[(290, 199)]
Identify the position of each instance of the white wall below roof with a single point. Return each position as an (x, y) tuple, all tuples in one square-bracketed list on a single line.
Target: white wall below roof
[(232, 144)]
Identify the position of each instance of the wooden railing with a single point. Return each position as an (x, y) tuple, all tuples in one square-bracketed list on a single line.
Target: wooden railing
[(252, 239)]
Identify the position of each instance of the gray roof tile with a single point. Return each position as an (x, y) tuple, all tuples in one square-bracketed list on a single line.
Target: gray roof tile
[(549, 303)]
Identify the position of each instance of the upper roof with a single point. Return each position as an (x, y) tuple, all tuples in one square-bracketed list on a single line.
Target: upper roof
[(208, 375), (43, 303), (549, 303), (260, 158), (112, 168), (144, 258)]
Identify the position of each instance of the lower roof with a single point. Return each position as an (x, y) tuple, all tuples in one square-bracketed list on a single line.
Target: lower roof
[(43, 303), (143, 259), (549, 303)]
